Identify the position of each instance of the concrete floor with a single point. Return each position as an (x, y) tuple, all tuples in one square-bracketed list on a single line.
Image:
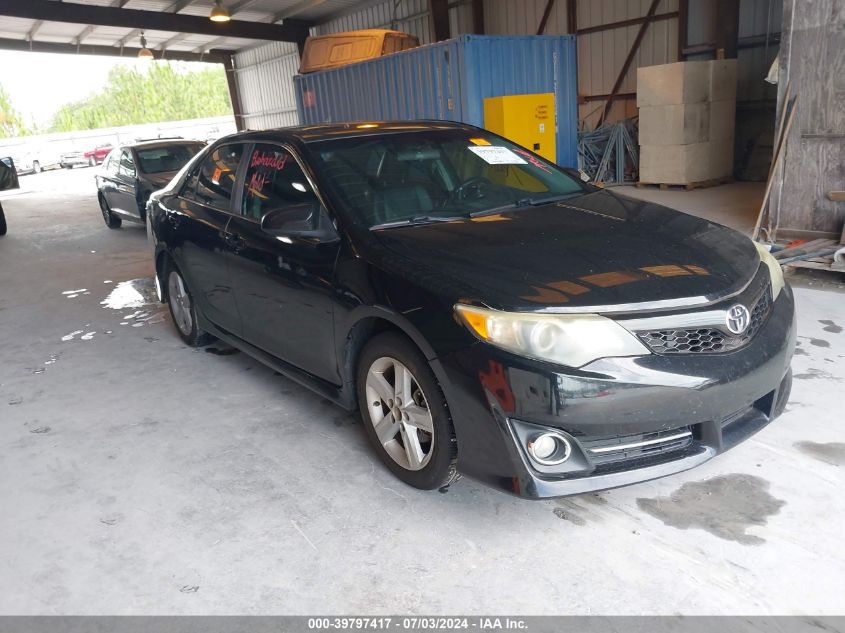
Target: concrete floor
[(139, 476), (735, 205)]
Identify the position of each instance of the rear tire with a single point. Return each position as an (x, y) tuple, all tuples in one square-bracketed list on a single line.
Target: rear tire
[(36, 167), (183, 309), (405, 414), (92, 162), (2, 222), (111, 220)]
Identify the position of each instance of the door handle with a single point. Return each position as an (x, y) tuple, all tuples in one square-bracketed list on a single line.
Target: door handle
[(234, 241)]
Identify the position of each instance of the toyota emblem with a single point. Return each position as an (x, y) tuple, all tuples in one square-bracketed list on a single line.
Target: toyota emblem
[(737, 318)]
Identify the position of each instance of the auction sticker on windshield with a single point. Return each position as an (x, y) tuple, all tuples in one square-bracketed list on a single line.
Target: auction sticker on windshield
[(496, 155)]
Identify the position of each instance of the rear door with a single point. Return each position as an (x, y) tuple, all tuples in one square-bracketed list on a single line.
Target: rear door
[(283, 285), (107, 177), (123, 196), (197, 225)]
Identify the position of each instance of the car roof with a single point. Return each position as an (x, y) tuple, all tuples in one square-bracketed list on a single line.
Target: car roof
[(164, 142), (327, 131)]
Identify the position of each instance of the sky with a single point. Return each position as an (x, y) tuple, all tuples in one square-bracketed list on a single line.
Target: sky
[(39, 84)]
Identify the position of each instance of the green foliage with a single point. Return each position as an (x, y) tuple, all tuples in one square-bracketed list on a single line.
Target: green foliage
[(163, 91), (11, 123)]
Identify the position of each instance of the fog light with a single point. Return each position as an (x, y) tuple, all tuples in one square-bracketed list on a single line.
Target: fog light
[(549, 449)]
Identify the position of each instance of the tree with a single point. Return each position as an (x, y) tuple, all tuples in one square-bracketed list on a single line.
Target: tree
[(11, 123), (163, 91)]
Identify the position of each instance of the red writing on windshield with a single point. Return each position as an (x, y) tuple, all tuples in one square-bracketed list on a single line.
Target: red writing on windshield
[(533, 160), (269, 159)]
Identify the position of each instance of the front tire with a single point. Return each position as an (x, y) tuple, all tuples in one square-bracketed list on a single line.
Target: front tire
[(36, 167), (183, 310), (92, 162), (111, 220), (405, 414), (2, 222)]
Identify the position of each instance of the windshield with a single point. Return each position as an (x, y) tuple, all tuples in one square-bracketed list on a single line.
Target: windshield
[(421, 177), (157, 160)]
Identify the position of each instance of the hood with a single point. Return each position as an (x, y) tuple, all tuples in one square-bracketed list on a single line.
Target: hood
[(600, 249)]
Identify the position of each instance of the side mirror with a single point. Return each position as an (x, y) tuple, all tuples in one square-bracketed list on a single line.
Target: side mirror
[(308, 221), (8, 174)]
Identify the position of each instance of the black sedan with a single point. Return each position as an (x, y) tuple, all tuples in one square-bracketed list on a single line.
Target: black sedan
[(130, 173), (485, 311)]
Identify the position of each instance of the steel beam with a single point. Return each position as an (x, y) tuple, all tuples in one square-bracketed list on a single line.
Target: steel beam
[(74, 13), (88, 49), (649, 16)]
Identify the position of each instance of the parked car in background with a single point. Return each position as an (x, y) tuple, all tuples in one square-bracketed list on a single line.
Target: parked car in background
[(486, 312), (34, 160), (69, 160), (8, 180), (130, 173), (98, 154)]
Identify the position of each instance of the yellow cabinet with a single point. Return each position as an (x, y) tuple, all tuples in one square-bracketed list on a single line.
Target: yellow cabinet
[(527, 120)]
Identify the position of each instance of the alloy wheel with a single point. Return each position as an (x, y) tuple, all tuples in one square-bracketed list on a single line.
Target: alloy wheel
[(399, 413), (180, 303)]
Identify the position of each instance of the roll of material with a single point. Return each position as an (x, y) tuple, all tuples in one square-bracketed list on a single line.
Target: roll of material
[(839, 256)]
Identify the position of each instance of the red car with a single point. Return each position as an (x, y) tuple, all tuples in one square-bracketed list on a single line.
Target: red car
[(98, 154)]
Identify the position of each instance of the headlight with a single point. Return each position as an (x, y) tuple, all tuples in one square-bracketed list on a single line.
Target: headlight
[(775, 271), (571, 340)]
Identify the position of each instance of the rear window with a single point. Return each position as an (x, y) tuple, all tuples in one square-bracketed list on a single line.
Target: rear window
[(157, 160)]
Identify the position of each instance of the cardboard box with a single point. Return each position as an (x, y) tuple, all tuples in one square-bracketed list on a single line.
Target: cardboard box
[(722, 120), (678, 124), (722, 85), (685, 164), (667, 84)]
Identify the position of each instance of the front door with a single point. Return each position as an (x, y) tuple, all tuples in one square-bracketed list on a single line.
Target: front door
[(199, 220), (283, 286)]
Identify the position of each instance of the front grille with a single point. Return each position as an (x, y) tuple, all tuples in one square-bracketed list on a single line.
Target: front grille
[(623, 448), (708, 340), (684, 341)]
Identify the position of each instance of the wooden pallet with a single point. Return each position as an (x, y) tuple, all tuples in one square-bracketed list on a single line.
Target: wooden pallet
[(703, 184)]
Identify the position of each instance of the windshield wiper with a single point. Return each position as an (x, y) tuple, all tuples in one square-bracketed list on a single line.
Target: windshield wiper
[(525, 202), (418, 220)]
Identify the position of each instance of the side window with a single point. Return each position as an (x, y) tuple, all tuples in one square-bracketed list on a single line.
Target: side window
[(127, 164), (189, 187), (216, 176), (273, 180), (110, 164)]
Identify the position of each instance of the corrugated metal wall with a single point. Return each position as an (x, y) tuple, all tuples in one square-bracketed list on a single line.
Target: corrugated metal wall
[(265, 81), (264, 74)]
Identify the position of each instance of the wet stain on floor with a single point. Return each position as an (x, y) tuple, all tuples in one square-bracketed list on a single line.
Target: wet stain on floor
[(726, 506), (832, 453), (577, 510), (812, 374), (819, 342), (830, 326)]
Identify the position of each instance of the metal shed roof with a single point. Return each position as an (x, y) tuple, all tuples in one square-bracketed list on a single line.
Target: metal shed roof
[(115, 26)]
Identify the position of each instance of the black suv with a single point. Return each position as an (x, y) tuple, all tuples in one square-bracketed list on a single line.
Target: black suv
[(486, 312), (130, 173)]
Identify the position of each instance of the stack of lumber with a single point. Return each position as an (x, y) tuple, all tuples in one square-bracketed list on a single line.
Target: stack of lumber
[(687, 117), (815, 254)]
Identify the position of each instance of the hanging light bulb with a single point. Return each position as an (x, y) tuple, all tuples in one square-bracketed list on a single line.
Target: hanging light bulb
[(219, 13), (144, 53)]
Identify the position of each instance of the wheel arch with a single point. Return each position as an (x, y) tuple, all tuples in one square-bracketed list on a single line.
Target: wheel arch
[(367, 322)]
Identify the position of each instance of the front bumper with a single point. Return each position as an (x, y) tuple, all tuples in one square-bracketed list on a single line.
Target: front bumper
[(623, 416)]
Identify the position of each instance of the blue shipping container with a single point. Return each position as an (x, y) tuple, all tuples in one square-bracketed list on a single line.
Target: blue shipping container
[(449, 81)]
